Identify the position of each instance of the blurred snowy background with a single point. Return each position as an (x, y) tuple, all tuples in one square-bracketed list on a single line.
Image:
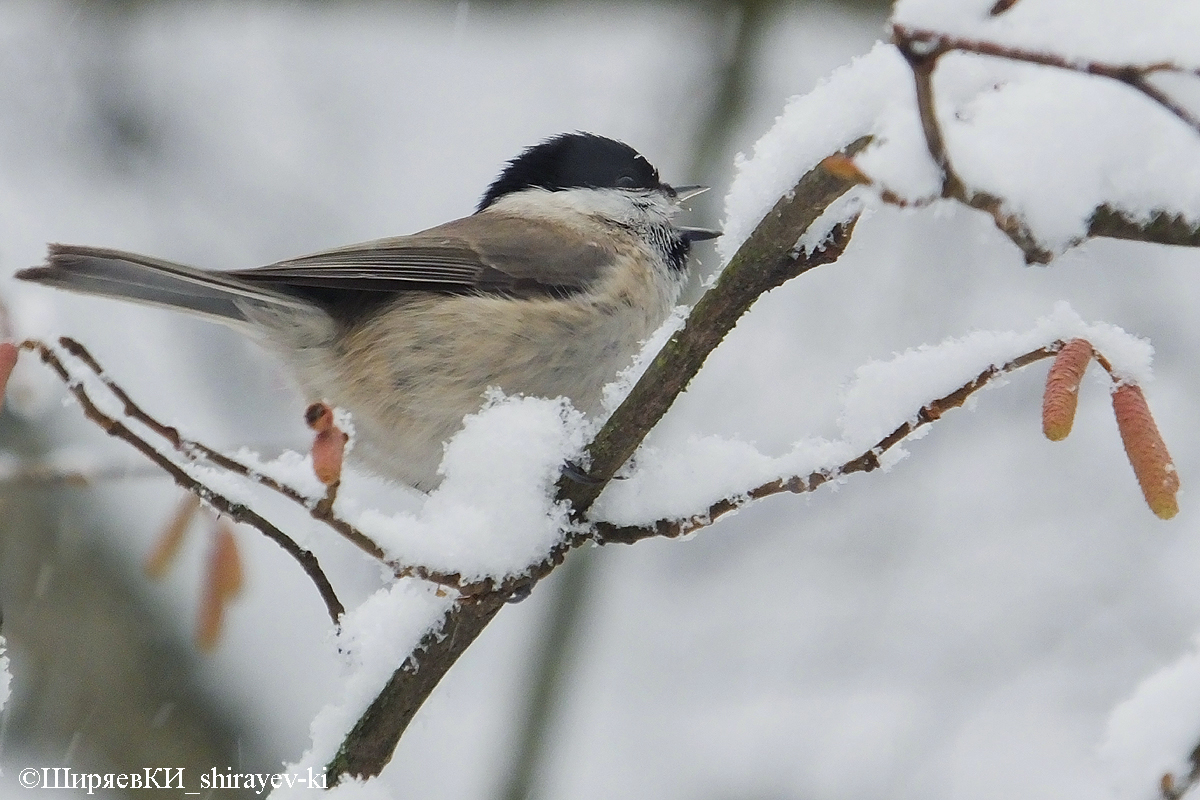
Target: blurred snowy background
[(961, 626)]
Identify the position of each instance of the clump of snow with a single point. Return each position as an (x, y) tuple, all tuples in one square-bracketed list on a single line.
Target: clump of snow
[(1095, 142), (885, 394), (842, 210), (5, 675), (494, 514), (1053, 144), (882, 396), (1152, 732), (376, 638), (689, 477), (840, 110), (616, 391), (289, 467)]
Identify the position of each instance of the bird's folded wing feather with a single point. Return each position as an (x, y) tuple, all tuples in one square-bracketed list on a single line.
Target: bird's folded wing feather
[(485, 252)]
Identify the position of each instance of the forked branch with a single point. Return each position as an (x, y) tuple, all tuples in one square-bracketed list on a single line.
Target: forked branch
[(114, 427), (923, 49)]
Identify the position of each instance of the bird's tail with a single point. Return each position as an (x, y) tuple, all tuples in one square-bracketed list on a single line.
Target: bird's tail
[(128, 276)]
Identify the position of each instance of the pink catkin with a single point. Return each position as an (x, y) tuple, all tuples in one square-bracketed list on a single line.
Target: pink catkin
[(222, 582), (1061, 397), (171, 538), (1146, 450), (8, 360)]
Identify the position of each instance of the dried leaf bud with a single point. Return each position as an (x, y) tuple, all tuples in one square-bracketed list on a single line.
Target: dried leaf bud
[(843, 166), (172, 536), (1146, 450), (1062, 388), (8, 360), (319, 417)]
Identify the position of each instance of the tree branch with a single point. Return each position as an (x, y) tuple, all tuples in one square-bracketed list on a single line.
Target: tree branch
[(191, 449), (766, 260), (923, 48), (1136, 76), (1162, 227), (607, 533), (308, 562), (369, 745)]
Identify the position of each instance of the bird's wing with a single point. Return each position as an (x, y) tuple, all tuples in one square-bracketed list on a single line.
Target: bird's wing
[(486, 252)]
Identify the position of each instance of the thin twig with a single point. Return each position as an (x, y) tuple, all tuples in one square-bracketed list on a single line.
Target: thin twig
[(922, 60), (321, 511), (765, 260), (113, 427), (1135, 76), (607, 533)]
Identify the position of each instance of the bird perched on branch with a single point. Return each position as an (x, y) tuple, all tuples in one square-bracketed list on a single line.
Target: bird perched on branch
[(570, 261)]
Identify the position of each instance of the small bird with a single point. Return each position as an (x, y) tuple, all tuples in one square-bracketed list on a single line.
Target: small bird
[(571, 260)]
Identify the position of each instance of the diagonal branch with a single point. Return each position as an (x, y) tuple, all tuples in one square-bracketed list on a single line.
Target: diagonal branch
[(113, 427), (607, 533), (192, 450), (765, 260)]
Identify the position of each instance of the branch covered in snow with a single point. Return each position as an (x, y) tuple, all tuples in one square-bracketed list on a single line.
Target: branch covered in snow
[(869, 461), (769, 258), (923, 49), (771, 255)]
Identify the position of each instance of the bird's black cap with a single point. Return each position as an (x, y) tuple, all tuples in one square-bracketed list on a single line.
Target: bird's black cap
[(574, 161)]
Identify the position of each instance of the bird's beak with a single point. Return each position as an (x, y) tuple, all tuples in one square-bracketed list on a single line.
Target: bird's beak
[(684, 193), (698, 234)]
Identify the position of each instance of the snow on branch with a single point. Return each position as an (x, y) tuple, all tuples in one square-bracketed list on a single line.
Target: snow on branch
[(1059, 130), (923, 49), (888, 404), (784, 245)]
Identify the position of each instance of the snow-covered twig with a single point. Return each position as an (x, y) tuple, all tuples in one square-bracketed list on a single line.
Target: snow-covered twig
[(607, 533), (320, 510), (934, 44), (770, 256), (923, 48)]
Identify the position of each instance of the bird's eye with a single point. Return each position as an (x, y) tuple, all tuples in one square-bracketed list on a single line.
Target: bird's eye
[(626, 182)]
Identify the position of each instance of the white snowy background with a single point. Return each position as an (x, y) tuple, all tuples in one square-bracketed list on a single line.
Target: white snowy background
[(994, 616)]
